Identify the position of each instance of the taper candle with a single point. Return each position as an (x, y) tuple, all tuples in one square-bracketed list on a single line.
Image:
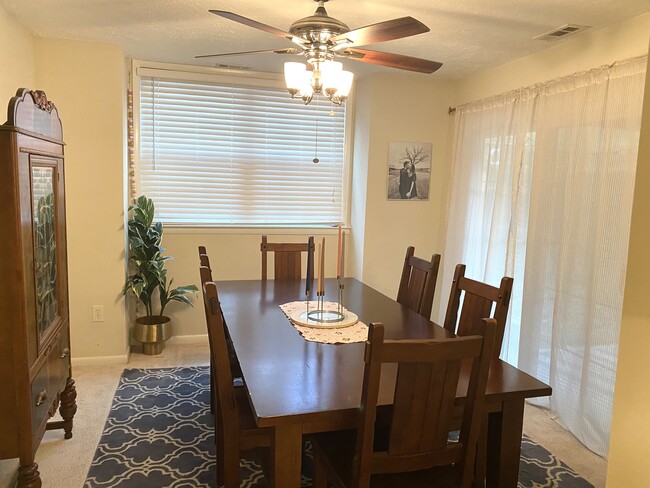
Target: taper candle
[(317, 268), (342, 256), (310, 265), (338, 256), (321, 271)]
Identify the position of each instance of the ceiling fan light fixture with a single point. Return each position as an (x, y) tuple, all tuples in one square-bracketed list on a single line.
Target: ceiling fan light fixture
[(323, 78)]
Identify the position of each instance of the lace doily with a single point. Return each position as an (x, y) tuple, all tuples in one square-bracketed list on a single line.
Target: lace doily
[(355, 333)]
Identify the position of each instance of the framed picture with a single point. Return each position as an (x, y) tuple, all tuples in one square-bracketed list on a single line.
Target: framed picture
[(409, 170)]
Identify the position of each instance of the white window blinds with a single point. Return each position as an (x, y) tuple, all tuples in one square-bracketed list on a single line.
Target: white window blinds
[(228, 154)]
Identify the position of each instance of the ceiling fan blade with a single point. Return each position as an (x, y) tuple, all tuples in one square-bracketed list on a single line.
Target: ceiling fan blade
[(257, 25), (380, 32), (289, 50), (390, 60)]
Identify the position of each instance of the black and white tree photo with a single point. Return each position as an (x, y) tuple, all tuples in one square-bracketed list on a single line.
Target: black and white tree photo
[(409, 170)]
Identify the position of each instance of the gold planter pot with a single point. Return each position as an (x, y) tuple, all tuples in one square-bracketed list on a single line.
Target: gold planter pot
[(152, 332)]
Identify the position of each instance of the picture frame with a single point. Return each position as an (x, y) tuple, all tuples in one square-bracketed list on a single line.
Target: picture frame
[(404, 182)]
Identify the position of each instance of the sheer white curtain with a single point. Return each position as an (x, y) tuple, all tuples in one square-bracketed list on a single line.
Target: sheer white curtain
[(489, 198), (587, 137), (541, 191)]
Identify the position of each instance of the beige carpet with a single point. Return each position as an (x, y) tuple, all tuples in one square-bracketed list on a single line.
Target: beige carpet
[(64, 464)]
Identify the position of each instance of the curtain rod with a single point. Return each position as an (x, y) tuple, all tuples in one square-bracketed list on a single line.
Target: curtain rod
[(452, 110)]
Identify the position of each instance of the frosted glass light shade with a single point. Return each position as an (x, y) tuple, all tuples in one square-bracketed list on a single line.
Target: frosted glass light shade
[(330, 72), (306, 87), (345, 83), (294, 75)]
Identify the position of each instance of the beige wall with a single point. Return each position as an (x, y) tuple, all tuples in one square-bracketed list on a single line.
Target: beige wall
[(584, 51), (398, 108), (630, 440), (16, 59), (86, 82)]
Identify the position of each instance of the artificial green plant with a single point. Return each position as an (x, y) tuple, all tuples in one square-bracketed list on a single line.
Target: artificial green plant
[(145, 254)]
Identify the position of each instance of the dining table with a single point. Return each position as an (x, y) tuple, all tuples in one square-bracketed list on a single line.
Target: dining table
[(298, 387)]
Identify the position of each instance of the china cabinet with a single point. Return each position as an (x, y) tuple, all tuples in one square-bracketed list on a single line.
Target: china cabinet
[(34, 325)]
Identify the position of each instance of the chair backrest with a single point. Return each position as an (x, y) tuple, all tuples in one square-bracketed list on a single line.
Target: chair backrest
[(424, 401), (418, 283), (287, 258), (203, 257), (204, 266), (227, 406), (479, 300), (205, 272)]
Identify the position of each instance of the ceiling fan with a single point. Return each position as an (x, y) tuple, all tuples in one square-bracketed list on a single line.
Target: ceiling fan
[(321, 39)]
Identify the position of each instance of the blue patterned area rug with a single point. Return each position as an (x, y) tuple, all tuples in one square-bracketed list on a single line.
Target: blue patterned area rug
[(159, 433)]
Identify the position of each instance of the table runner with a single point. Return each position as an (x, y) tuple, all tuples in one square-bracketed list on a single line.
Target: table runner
[(346, 335)]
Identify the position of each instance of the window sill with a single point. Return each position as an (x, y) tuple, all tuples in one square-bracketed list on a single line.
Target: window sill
[(252, 230)]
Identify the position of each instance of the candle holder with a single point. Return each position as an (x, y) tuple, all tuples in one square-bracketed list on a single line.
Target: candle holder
[(325, 318)]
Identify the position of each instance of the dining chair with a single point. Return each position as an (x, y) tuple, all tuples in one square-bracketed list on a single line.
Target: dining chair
[(418, 283), (408, 449), (235, 431), (479, 300), (287, 258), (205, 273)]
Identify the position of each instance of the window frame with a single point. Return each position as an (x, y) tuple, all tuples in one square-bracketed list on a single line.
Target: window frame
[(241, 77)]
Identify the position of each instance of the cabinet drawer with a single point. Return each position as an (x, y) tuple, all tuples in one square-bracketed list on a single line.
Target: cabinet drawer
[(59, 362), (49, 382), (41, 398)]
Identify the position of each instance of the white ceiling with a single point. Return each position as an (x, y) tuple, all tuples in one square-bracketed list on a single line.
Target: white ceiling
[(466, 35)]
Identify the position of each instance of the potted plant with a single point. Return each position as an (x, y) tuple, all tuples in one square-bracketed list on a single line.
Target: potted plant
[(150, 276)]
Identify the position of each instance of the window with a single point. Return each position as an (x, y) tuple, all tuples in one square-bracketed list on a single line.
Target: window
[(237, 151)]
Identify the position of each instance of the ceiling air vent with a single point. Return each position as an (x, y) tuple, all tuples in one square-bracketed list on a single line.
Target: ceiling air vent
[(562, 31)]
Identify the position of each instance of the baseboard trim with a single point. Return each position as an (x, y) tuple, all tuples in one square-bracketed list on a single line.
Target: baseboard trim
[(100, 360), (201, 339), (189, 339)]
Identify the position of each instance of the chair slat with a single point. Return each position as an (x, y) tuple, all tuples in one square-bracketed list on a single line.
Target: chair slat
[(475, 307), (404, 388)]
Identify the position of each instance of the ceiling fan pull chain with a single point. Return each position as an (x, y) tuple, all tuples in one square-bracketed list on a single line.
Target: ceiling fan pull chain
[(316, 160)]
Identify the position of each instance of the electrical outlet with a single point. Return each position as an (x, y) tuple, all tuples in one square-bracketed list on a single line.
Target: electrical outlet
[(98, 313)]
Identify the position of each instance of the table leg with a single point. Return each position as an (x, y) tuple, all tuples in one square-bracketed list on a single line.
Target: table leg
[(504, 445), (286, 455)]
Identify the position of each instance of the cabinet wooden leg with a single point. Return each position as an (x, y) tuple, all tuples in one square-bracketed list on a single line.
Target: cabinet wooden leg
[(28, 476), (68, 407)]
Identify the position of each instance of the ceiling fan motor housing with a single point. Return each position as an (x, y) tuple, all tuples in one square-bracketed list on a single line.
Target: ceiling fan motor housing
[(316, 30)]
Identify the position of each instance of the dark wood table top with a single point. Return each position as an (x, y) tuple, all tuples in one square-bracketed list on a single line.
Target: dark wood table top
[(288, 377)]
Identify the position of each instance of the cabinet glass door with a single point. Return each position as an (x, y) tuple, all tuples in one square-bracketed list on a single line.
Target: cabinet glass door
[(43, 181)]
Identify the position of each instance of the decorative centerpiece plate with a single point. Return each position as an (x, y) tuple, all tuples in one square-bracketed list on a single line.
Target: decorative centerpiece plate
[(324, 319)]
